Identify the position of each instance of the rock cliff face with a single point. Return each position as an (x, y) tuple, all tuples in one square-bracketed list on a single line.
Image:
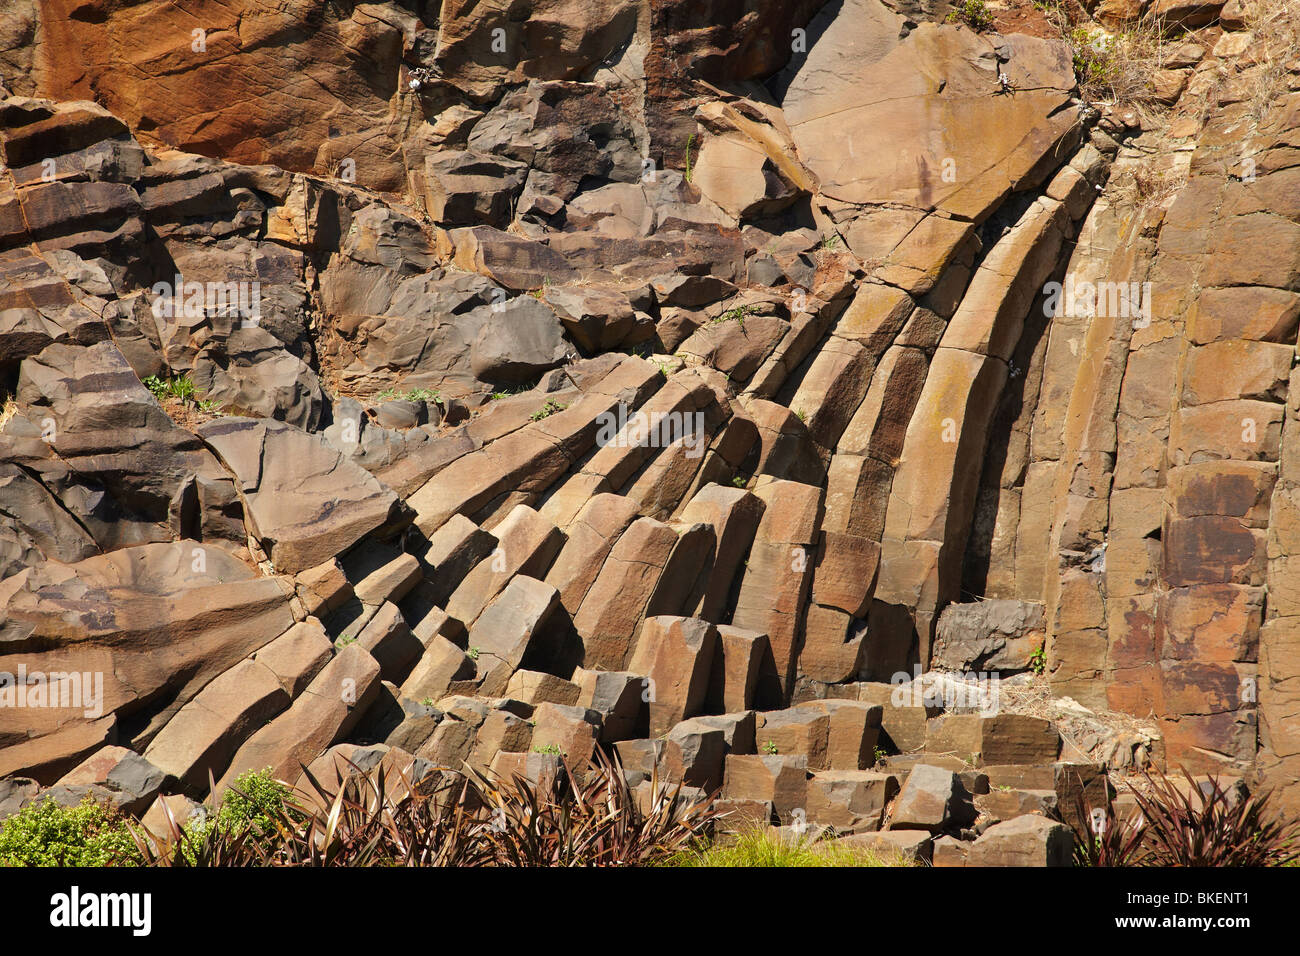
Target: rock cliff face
[(672, 375)]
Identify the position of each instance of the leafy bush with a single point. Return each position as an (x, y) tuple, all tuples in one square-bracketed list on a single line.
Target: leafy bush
[(1201, 825), (43, 833), (382, 818), (1208, 827), (973, 13), (592, 820), (255, 802)]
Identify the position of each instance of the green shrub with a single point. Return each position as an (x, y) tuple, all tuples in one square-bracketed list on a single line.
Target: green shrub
[(973, 13), (253, 804), (44, 833), (255, 801)]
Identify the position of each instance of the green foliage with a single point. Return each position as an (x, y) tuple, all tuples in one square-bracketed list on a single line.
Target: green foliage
[(344, 640), (44, 833), (1095, 63), (512, 391), (831, 242), (1038, 660), (1188, 823), (254, 802), (548, 749), (180, 387), (974, 13), (770, 748), (736, 315), (410, 395), (547, 410), (690, 140), (381, 817), (472, 653), (252, 811), (763, 848), (878, 754)]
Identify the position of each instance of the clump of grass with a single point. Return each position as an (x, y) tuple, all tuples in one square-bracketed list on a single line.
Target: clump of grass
[(690, 140), (1115, 67), (764, 848), (735, 315), (43, 833), (974, 13), (511, 392)]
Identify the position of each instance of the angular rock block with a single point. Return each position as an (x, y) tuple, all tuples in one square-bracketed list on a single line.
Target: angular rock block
[(326, 710), (676, 654), (503, 632), (849, 800), (1025, 841), (204, 735), (781, 780)]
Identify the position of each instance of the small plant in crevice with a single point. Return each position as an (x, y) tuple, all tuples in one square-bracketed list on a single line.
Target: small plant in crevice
[(736, 315), (770, 748), (410, 395), (179, 387), (472, 653), (690, 141), (1038, 660), (547, 410)]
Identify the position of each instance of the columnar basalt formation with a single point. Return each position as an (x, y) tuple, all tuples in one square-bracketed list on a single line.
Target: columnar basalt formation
[(489, 381)]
